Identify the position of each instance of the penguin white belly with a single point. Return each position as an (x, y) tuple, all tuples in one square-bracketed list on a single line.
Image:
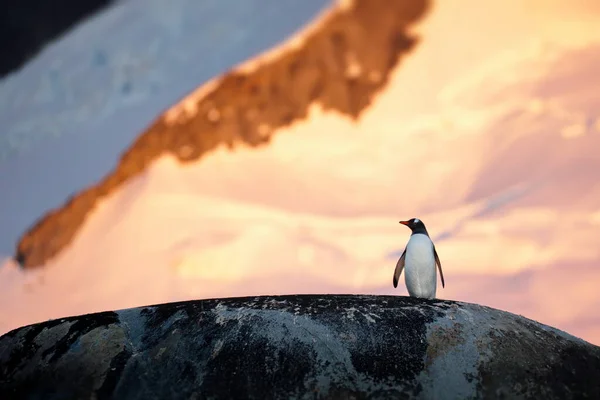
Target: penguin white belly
[(419, 267)]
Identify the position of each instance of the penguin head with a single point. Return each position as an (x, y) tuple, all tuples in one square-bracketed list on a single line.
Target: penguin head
[(415, 224)]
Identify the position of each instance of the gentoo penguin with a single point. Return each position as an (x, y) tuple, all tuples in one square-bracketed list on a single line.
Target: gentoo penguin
[(419, 259)]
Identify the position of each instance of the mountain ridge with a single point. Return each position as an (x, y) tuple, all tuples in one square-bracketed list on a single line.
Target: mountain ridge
[(347, 30)]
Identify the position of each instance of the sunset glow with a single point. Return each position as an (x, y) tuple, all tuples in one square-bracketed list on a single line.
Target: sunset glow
[(488, 132)]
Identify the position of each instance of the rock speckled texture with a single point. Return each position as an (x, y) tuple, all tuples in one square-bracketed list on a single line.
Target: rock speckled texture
[(341, 66), (298, 347)]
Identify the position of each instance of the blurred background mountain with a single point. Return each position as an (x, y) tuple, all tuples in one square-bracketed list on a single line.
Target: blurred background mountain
[(485, 126)]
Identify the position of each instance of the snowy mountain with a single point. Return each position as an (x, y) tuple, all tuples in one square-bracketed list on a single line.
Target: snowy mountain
[(69, 113), (288, 173)]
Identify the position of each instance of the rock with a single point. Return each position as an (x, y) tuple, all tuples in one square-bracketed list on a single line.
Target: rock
[(311, 346), (340, 65)]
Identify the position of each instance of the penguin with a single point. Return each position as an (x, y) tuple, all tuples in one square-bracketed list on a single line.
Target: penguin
[(419, 259)]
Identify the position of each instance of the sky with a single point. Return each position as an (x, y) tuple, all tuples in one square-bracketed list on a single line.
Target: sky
[(487, 132)]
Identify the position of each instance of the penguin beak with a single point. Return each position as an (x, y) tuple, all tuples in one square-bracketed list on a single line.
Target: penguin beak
[(404, 223)]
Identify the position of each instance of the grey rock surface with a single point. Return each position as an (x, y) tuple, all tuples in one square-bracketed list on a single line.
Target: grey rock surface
[(309, 346)]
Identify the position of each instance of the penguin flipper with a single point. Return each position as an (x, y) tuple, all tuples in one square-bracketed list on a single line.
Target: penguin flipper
[(399, 268), (439, 264)]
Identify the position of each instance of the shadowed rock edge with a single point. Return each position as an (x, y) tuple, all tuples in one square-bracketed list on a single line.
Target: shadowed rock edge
[(302, 346), (341, 66)]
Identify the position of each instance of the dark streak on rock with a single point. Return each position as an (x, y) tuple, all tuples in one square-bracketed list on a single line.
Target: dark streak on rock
[(81, 326), (373, 33), (382, 335), (18, 353), (257, 366), (113, 375), (35, 369)]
